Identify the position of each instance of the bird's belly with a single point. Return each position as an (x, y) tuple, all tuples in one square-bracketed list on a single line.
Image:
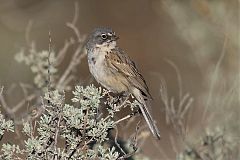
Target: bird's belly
[(112, 81)]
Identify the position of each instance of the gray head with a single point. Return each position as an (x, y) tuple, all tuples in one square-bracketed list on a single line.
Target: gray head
[(101, 37)]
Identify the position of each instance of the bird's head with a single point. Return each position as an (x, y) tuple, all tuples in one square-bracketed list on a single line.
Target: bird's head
[(102, 37)]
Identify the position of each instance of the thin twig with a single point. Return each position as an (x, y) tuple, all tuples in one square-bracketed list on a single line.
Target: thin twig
[(49, 63), (140, 129), (57, 130), (122, 119), (68, 80), (186, 108), (4, 103), (134, 144), (84, 132), (75, 30), (173, 144), (76, 13), (12, 110), (1, 90), (214, 77), (56, 135), (182, 101), (72, 24), (11, 88), (116, 142), (76, 59), (22, 102), (27, 32), (62, 53), (179, 79)]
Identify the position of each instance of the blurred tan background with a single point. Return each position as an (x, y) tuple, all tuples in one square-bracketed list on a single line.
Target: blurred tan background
[(189, 33)]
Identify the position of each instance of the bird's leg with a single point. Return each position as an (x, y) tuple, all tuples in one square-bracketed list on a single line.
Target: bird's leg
[(116, 99), (122, 99), (119, 100), (110, 98)]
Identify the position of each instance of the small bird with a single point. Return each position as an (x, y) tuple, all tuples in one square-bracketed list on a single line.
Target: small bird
[(114, 70)]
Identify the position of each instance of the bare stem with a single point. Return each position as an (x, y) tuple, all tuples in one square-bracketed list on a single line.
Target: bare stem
[(122, 119), (214, 77), (116, 142)]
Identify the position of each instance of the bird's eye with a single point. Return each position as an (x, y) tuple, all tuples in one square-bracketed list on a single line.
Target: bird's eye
[(104, 36)]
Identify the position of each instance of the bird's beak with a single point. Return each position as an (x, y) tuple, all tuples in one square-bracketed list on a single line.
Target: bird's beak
[(114, 37)]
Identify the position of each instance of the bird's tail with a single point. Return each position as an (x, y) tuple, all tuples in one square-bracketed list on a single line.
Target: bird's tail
[(151, 124), (146, 114)]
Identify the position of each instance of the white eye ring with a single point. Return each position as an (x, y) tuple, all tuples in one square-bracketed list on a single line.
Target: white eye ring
[(104, 36)]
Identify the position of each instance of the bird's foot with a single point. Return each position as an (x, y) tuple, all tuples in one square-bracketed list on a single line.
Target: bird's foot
[(122, 101)]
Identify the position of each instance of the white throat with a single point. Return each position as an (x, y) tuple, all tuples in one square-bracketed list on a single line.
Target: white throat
[(106, 46)]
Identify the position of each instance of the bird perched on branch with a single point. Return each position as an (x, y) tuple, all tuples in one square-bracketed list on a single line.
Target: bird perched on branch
[(114, 70)]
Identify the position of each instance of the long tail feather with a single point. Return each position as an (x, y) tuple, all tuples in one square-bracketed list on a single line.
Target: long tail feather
[(146, 114), (151, 124)]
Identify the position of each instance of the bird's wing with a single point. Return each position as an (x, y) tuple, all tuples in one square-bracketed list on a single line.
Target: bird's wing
[(121, 63)]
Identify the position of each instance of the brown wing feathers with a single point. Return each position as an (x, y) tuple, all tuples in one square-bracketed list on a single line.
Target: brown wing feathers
[(122, 63)]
